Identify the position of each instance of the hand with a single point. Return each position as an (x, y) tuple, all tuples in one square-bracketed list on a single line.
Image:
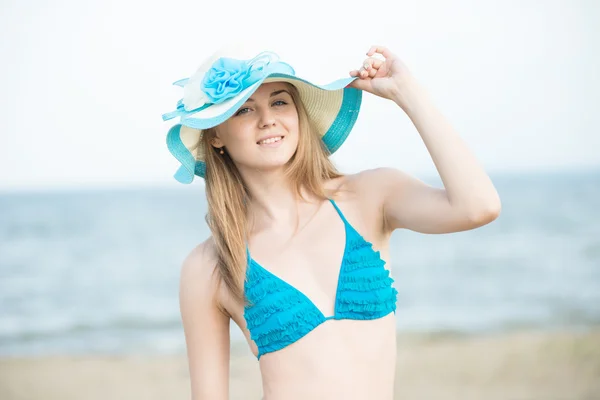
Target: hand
[(385, 79)]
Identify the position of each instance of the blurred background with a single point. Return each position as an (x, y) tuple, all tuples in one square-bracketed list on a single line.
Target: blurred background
[(93, 228)]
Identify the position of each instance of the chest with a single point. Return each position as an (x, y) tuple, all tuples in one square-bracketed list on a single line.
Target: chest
[(309, 261)]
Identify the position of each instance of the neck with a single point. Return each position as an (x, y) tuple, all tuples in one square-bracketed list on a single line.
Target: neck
[(273, 199)]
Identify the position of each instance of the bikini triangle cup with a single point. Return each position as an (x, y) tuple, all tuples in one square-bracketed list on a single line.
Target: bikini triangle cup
[(278, 314)]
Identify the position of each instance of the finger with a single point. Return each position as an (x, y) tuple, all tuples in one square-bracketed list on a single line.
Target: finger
[(372, 65), (372, 62), (369, 68), (380, 50), (361, 84), (361, 73), (372, 72)]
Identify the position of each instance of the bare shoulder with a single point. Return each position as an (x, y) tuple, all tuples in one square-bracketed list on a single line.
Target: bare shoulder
[(376, 179), (201, 260), (362, 195), (202, 254), (368, 186), (198, 271), (368, 178)]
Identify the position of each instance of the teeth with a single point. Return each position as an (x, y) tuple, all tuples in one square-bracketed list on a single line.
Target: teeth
[(270, 140)]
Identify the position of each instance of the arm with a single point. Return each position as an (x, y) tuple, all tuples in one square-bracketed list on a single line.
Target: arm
[(411, 204), (468, 199), (205, 326)]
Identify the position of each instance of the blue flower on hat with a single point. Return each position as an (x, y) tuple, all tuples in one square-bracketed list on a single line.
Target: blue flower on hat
[(227, 78), (223, 79)]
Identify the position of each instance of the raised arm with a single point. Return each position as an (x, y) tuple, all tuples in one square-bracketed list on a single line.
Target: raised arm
[(468, 199), (407, 202), (206, 327)]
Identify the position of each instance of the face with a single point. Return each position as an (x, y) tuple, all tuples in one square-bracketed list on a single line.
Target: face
[(263, 133)]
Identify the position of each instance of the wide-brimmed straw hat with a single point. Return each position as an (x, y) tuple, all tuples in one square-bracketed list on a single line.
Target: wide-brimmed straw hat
[(224, 82)]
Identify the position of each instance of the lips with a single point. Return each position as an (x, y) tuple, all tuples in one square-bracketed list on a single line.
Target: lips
[(270, 140)]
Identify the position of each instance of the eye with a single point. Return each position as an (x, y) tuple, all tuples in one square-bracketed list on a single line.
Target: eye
[(279, 103), (242, 111)]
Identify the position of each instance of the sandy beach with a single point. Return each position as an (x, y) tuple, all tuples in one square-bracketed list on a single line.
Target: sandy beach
[(515, 366)]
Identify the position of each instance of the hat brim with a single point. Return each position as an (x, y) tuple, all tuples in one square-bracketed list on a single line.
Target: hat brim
[(332, 110)]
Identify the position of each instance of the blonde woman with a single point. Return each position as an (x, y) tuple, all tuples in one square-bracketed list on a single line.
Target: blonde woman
[(297, 253)]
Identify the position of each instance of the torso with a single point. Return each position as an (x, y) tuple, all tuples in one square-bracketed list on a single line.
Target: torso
[(345, 359)]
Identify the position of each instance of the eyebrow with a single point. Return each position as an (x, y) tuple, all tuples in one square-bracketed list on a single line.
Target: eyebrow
[(275, 93)]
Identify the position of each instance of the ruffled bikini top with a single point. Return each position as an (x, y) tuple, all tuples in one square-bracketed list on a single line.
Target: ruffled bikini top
[(277, 314)]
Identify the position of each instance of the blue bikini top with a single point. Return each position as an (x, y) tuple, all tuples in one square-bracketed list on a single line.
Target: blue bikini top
[(277, 314)]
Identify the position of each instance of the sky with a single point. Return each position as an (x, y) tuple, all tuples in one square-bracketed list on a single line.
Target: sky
[(84, 84)]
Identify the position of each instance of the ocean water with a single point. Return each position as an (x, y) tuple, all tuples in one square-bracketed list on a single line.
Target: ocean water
[(97, 271)]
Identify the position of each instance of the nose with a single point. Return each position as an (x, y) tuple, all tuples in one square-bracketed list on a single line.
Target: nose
[(267, 118)]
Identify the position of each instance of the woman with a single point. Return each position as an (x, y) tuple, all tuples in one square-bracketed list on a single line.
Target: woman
[(296, 256)]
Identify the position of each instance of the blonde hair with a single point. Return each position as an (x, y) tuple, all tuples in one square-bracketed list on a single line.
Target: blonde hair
[(228, 196)]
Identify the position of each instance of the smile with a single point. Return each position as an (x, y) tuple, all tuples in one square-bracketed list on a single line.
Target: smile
[(270, 140)]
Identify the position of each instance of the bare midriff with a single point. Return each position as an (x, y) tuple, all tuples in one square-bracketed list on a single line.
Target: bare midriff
[(340, 359)]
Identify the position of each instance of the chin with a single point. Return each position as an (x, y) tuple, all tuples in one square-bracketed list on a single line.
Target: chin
[(271, 159), (281, 163), (274, 166), (276, 159)]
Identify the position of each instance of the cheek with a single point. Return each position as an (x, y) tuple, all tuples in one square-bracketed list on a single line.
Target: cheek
[(291, 123), (236, 136)]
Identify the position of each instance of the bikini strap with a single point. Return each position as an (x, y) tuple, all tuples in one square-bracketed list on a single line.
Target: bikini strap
[(340, 213)]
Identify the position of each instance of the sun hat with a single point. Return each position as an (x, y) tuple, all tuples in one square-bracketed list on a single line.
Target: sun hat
[(223, 83)]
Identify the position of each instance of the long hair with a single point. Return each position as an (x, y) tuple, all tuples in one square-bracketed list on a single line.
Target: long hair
[(227, 195)]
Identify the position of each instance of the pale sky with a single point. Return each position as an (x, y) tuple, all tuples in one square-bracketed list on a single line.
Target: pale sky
[(84, 83)]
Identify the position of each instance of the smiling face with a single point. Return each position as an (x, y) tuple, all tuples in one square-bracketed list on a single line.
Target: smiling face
[(263, 133)]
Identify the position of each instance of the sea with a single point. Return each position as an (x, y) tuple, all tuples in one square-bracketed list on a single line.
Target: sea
[(96, 271)]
